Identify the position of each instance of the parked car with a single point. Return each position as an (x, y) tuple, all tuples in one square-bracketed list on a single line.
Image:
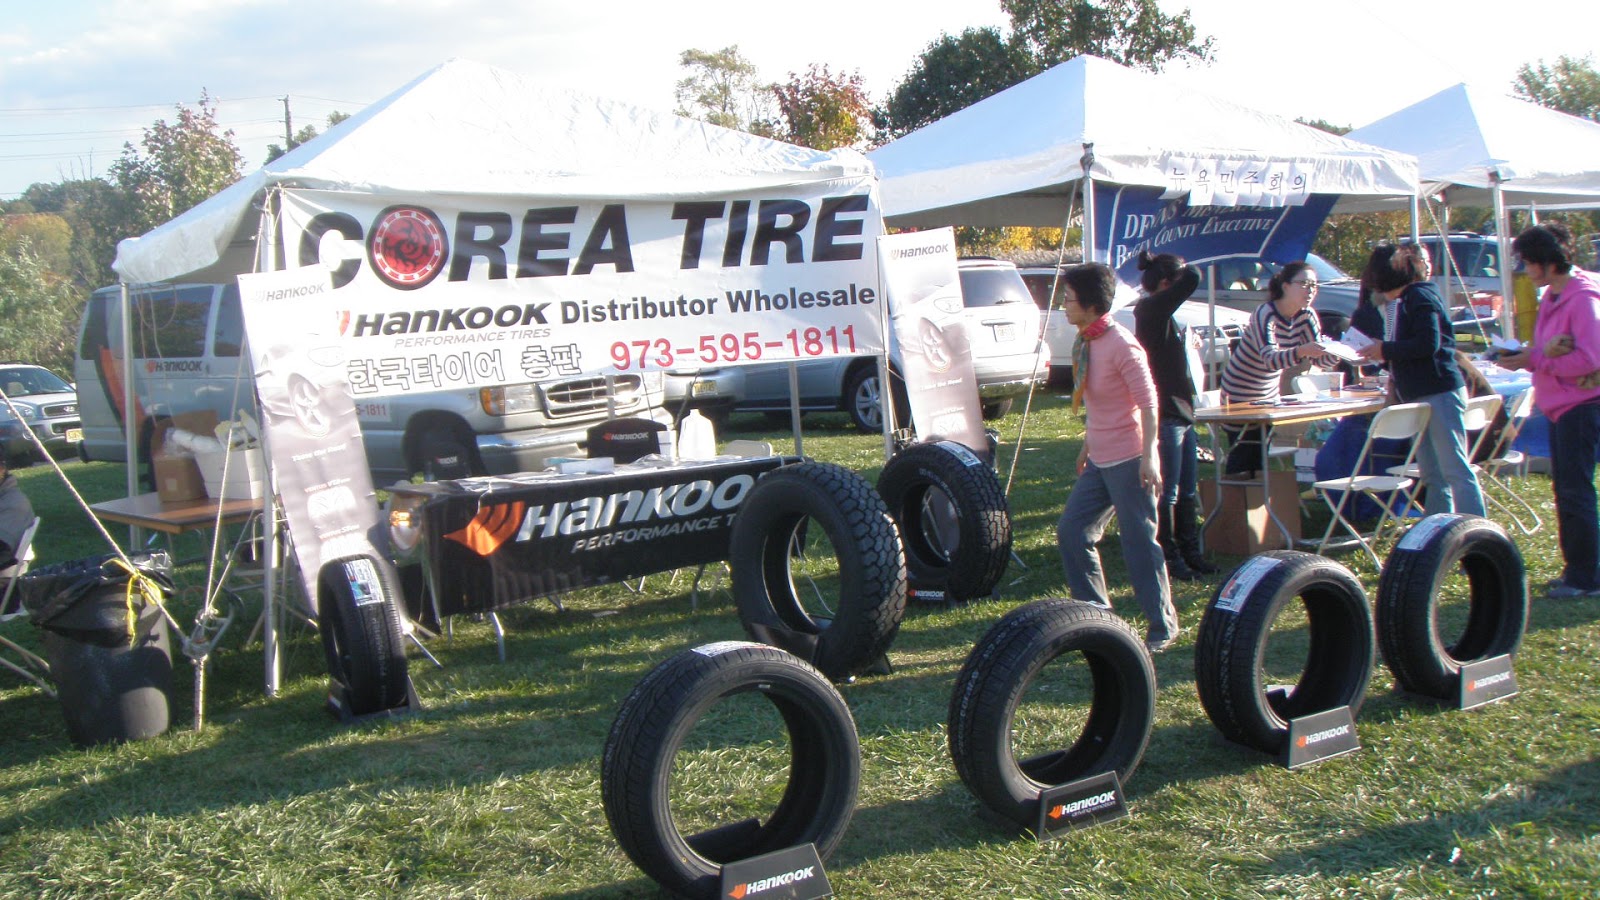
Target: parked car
[(1006, 356), (47, 406), (1472, 286), (1242, 284), (1194, 315), (187, 340)]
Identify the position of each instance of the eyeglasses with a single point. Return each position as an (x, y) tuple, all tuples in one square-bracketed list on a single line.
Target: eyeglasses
[(1309, 284)]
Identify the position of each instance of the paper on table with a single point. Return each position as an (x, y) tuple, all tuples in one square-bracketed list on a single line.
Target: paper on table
[(1505, 343)]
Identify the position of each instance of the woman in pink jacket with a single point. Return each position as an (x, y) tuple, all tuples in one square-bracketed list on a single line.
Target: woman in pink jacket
[(1118, 469), (1565, 349)]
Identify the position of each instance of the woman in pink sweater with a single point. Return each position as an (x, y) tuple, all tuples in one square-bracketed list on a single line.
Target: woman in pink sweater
[(1564, 351), (1118, 469)]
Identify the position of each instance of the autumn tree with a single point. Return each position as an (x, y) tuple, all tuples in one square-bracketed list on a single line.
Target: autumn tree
[(822, 110), (183, 163), (723, 88), (91, 207), (38, 310), (1569, 85)]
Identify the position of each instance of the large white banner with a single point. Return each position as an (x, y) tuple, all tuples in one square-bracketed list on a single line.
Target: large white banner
[(433, 292)]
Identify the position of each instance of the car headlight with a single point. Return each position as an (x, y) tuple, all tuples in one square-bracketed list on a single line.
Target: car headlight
[(508, 400), (27, 412)]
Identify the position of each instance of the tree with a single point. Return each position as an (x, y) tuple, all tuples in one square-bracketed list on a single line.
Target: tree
[(303, 135), (1569, 85), (91, 207), (951, 74), (822, 110), (38, 310), (183, 163), (46, 235), (1135, 33), (722, 88)]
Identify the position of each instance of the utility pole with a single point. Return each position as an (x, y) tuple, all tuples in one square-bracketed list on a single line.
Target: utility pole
[(288, 127)]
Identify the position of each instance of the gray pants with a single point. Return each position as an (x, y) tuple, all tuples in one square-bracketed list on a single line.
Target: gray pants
[(1096, 494)]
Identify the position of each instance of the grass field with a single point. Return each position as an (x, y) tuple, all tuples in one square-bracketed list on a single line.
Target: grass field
[(493, 789)]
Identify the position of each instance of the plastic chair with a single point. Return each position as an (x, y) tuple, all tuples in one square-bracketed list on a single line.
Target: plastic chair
[(1400, 422), (32, 667), (1502, 458), (1479, 415)]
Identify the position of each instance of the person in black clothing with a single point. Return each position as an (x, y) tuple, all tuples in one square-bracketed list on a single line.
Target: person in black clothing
[(1167, 282)]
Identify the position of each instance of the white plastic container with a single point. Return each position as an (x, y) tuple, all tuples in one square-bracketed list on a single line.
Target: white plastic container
[(697, 437)]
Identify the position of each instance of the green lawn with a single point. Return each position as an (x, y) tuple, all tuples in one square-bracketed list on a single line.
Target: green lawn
[(493, 790)]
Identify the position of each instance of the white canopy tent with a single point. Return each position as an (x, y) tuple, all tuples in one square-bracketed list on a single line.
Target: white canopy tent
[(471, 130), (1483, 149), (1015, 158), (467, 135)]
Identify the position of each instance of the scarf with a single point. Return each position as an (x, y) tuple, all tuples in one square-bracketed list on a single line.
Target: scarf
[(1080, 356)]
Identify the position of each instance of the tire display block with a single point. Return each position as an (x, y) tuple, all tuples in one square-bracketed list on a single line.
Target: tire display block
[(1242, 526)]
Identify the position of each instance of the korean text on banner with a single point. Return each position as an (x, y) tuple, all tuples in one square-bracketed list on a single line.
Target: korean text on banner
[(431, 294), (919, 272)]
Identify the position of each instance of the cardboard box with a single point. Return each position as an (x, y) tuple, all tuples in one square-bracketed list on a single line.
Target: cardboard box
[(247, 474), (178, 479), (1242, 526)]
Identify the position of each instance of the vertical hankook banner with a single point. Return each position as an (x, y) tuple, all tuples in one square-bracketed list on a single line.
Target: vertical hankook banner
[(318, 460), (919, 273)]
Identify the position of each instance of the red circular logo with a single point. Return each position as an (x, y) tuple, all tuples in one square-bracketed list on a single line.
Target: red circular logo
[(407, 246)]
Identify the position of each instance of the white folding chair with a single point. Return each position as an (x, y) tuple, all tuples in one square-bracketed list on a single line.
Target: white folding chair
[(1503, 459), (32, 667), (1479, 414), (1404, 421)]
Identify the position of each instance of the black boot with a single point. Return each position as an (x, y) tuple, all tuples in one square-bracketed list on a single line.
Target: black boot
[(1186, 535), (1177, 569)]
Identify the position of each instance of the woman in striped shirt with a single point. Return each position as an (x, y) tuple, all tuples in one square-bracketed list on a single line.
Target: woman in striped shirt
[(1283, 332)]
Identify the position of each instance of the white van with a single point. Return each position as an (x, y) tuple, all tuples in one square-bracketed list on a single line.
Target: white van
[(187, 340)]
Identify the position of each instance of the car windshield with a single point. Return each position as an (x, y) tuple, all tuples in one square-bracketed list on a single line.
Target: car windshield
[(1326, 271), (992, 287), (25, 381)]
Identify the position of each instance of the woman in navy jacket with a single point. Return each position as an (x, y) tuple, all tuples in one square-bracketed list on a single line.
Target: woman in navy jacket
[(1422, 369)]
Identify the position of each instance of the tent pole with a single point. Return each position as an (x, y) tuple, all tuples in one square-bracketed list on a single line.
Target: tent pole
[(130, 423), (1087, 238), (1501, 227), (267, 260)]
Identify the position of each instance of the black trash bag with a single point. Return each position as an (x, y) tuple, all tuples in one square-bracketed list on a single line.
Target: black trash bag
[(72, 598)]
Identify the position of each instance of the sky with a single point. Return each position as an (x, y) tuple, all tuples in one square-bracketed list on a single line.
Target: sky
[(79, 78)]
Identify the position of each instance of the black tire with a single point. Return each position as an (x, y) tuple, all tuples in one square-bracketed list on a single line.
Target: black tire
[(805, 501), (1234, 631), (998, 672), (952, 516), (994, 409), (358, 615), (1408, 601), (656, 717), (864, 400), (444, 453)]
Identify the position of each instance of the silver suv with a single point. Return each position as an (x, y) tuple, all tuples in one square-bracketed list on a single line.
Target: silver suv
[(47, 406), (1007, 359), (187, 340)]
